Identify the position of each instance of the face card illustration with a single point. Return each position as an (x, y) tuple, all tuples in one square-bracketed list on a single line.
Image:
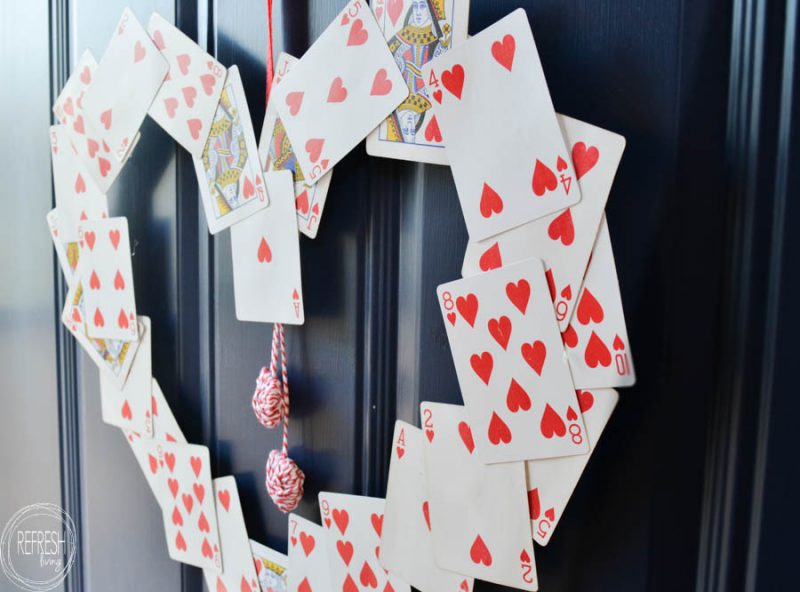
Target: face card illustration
[(510, 363), (490, 91), (308, 556), (340, 90), (563, 240), (266, 259), (406, 543), (67, 252), (276, 154), (130, 407), (551, 481), (69, 103), (353, 527), (478, 512), (228, 171), (187, 100), (272, 568), (116, 110), (190, 516), (240, 571), (596, 340), (108, 279)]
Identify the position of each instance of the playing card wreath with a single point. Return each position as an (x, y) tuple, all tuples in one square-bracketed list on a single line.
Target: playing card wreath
[(535, 325)]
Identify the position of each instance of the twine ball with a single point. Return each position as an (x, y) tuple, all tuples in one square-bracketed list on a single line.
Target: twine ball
[(268, 399), (284, 481)]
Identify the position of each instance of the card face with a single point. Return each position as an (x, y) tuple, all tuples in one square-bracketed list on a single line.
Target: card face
[(308, 556), (490, 91), (551, 481), (125, 82), (596, 340), (416, 32), (276, 153), (190, 517), (69, 103), (478, 512), (353, 527), (188, 98), (266, 259), (240, 572), (562, 240), (130, 407), (67, 252), (228, 171), (110, 302), (339, 91), (272, 568), (406, 543), (510, 363)]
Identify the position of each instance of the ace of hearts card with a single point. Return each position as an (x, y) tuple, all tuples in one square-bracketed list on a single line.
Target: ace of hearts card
[(503, 142), (478, 513), (308, 556), (563, 240), (416, 31), (510, 363), (339, 91), (228, 171)]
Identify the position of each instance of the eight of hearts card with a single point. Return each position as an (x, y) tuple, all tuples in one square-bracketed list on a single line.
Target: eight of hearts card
[(272, 567), (596, 340), (406, 543), (339, 91), (509, 358), (417, 31), (276, 154), (188, 98), (551, 481), (503, 142), (353, 527), (478, 513), (308, 556), (562, 240), (228, 170)]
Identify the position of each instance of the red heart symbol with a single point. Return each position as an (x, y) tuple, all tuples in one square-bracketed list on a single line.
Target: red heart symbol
[(562, 228), (345, 19), (76, 315), (301, 202), (314, 148), (377, 523), (138, 52), (453, 80), (584, 158), (400, 451), (367, 576), (104, 165), (307, 542), (188, 502), (517, 398), (189, 95), (585, 400), (113, 236), (589, 309), (519, 294), (119, 282), (337, 92), (619, 345), (498, 430), (153, 463), (524, 557), (225, 499), (248, 190), (426, 513), (479, 553), (491, 202), (429, 434), (199, 492), (94, 281), (466, 435), (381, 85), (68, 106), (569, 337), (342, 519), (122, 319), (158, 40), (264, 252), (80, 185), (195, 125), (169, 458), (535, 354), (491, 258), (180, 544), (294, 100), (451, 316), (596, 352), (561, 164), (105, 118), (86, 75), (99, 321), (206, 550), (208, 82), (543, 179), (349, 585), (432, 131), (394, 9), (170, 105), (571, 415), (500, 329), (105, 147), (183, 63), (77, 125), (345, 549), (197, 465), (177, 519), (126, 411), (468, 307), (464, 587), (221, 585), (552, 423), (503, 51), (534, 505), (304, 586), (550, 515), (173, 486), (358, 34), (92, 146), (437, 94), (566, 293), (482, 365), (202, 523)]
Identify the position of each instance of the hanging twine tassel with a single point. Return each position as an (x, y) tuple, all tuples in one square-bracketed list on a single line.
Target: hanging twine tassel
[(284, 479)]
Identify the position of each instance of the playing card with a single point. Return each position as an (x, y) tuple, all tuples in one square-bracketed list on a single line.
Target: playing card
[(272, 568), (308, 556), (69, 103), (108, 279), (186, 102), (478, 513), (353, 535), (77, 197), (596, 340), (510, 363), (276, 153), (417, 31), (124, 84), (239, 574), (190, 517), (339, 91), (130, 407), (228, 170), (406, 543), (563, 240), (551, 481), (67, 252), (266, 259), (490, 91)]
